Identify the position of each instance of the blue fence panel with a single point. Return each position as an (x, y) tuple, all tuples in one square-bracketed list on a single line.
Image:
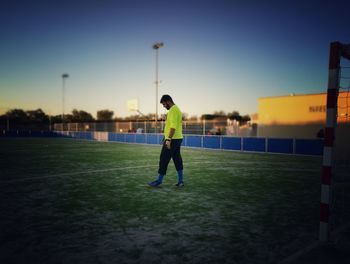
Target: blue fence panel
[(231, 143), (20, 133), (194, 141), (55, 134), (254, 144), (58, 134), (280, 145), (84, 135), (88, 135), (274, 145), (72, 134), (112, 136), (309, 146), (211, 142), (81, 135), (152, 139), (140, 138), (130, 138), (11, 133), (35, 134), (121, 137)]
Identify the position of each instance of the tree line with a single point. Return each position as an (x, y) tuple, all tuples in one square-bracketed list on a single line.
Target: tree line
[(38, 116), (231, 115)]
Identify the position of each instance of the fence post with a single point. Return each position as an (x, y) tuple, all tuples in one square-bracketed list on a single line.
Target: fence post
[(203, 126), (294, 145)]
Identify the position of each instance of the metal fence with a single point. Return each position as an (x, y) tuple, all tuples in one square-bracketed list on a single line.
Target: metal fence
[(203, 127), (252, 144)]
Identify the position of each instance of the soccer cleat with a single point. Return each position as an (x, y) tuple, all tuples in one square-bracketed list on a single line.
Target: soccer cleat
[(155, 183), (180, 184)]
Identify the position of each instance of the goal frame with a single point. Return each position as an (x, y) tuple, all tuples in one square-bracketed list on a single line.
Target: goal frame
[(337, 52)]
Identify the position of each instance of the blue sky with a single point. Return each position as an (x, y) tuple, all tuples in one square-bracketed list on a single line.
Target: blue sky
[(218, 55)]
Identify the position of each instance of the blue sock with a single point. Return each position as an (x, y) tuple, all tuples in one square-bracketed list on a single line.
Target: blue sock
[(180, 175), (160, 178)]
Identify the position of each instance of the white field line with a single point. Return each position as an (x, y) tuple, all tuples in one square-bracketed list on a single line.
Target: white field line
[(148, 166)]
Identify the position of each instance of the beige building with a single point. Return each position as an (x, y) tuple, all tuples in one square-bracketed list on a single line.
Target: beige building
[(299, 116), (304, 117)]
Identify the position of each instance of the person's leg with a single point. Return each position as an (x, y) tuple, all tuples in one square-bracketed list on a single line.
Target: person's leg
[(176, 155), (164, 159)]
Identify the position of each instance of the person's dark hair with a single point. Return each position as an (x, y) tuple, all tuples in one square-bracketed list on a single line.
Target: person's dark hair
[(165, 98)]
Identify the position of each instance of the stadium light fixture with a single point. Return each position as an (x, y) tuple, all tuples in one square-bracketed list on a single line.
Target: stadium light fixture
[(157, 46), (64, 77)]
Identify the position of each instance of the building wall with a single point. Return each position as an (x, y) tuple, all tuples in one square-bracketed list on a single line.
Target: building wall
[(304, 116), (292, 110), (297, 116)]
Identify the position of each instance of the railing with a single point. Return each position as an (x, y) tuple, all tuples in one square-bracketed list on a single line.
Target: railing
[(203, 127)]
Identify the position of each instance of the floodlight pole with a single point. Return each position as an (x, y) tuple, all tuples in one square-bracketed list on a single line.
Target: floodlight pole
[(156, 46), (64, 77)]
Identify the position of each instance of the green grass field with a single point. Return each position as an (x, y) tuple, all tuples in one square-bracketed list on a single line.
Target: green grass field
[(68, 201)]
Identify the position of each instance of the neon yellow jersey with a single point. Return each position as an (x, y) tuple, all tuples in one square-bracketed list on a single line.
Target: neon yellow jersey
[(174, 120)]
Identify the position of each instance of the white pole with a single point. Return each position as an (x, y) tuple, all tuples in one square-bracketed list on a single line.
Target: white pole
[(203, 126), (64, 76), (329, 139), (157, 82), (156, 46)]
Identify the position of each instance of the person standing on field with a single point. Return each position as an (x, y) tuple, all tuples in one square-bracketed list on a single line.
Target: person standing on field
[(171, 143)]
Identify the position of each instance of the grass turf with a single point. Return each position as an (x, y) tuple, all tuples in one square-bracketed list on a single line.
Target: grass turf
[(65, 201)]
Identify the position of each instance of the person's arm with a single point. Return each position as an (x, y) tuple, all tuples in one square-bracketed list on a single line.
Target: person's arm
[(171, 133), (170, 136)]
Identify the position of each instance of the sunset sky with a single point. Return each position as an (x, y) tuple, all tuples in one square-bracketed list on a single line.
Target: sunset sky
[(217, 55)]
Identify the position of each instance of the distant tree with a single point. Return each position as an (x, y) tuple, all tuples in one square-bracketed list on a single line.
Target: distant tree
[(80, 116), (207, 117), (245, 118), (56, 119), (68, 118), (234, 116), (37, 116), (105, 115), (219, 113), (17, 115)]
